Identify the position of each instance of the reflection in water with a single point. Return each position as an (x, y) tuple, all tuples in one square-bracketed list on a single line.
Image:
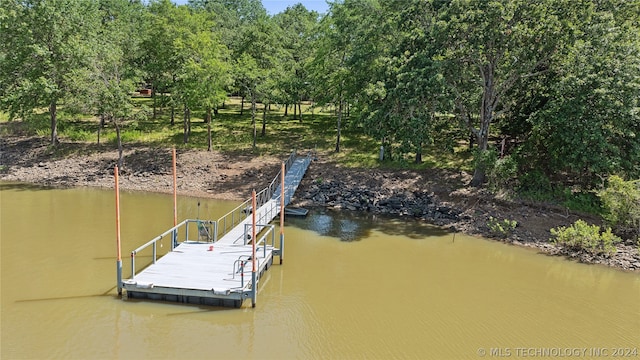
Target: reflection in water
[(385, 296), (355, 226), (335, 225)]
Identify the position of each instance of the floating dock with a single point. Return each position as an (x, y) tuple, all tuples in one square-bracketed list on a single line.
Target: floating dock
[(218, 263), (293, 211)]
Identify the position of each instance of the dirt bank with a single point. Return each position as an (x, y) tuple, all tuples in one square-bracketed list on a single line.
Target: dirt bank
[(436, 196)]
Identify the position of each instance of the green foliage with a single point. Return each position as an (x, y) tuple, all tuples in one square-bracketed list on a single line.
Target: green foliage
[(536, 186), (487, 47), (503, 174), (621, 201), (582, 236), (583, 201), (589, 126), (45, 49), (557, 79), (297, 26), (501, 228)]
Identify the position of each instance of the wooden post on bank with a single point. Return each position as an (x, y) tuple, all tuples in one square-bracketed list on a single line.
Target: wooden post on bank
[(282, 213), (118, 245)]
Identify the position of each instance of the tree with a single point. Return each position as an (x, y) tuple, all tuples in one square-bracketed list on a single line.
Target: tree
[(488, 46), (297, 26), (163, 25), (329, 66), (114, 73), (588, 129), (257, 67), (47, 47), (403, 91), (205, 75), (232, 19), (104, 88)]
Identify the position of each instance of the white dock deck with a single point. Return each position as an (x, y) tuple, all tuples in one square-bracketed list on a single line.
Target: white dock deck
[(215, 273)]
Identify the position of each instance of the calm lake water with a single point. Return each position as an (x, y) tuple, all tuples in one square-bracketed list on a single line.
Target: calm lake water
[(350, 287)]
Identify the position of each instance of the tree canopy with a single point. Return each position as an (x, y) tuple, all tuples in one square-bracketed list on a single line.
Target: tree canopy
[(551, 85)]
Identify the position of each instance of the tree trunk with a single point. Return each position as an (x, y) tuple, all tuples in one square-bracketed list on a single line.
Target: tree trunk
[(189, 121), (300, 110), (53, 111), (264, 122), (153, 95), (100, 126), (286, 109), (295, 111), (119, 139), (173, 114), (242, 106), (208, 129), (253, 119), (479, 173), (339, 124), (185, 137), (489, 99)]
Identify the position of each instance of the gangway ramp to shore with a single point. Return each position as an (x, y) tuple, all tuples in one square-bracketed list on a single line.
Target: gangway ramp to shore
[(219, 271)]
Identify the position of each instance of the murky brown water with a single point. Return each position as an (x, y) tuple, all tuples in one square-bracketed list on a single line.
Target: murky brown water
[(393, 290)]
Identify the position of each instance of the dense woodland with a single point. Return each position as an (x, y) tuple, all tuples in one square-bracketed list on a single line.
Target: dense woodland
[(545, 92)]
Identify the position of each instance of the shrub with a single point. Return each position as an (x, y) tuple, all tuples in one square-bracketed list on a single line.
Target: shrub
[(536, 184), (485, 160), (502, 173), (621, 202), (582, 236), (584, 201), (501, 228)]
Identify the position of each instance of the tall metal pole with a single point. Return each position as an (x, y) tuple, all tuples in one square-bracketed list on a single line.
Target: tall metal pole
[(254, 286), (175, 190), (282, 214), (118, 245), (174, 240)]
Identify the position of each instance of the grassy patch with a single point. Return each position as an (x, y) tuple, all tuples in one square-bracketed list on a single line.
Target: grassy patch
[(233, 132), (576, 200)]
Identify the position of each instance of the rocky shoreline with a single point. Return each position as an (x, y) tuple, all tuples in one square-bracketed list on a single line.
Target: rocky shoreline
[(438, 197), (446, 203)]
